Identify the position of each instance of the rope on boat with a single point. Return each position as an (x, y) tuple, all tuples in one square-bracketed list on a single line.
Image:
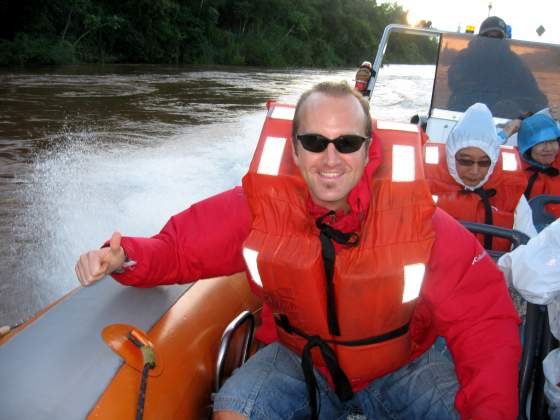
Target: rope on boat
[(149, 363), (141, 398)]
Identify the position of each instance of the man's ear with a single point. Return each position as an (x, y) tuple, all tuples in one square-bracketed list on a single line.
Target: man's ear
[(295, 155)]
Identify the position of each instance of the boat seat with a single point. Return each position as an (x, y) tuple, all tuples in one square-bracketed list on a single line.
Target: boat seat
[(541, 217)]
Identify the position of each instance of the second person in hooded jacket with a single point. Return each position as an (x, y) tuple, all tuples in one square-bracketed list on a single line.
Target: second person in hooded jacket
[(477, 181), (538, 143)]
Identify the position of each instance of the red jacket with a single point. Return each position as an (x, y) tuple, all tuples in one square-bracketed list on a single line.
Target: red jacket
[(464, 296)]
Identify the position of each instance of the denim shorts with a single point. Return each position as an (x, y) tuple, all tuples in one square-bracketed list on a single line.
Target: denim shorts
[(271, 386)]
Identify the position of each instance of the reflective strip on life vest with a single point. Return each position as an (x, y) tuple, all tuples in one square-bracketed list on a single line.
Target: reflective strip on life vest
[(271, 156), (413, 278), (432, 155), (404, 168), (250, 256), (509, 161), (283, 113), (435, 198), (396, 126)]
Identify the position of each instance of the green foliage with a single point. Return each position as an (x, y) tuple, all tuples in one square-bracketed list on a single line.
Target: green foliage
[(7, 51), (240, 32), (411, 50), (39, 50)]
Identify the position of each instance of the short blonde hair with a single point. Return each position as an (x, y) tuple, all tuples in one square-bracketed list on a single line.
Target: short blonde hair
[(335, 89)]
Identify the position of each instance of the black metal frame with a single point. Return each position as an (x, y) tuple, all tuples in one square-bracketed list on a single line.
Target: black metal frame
[(516, 237)]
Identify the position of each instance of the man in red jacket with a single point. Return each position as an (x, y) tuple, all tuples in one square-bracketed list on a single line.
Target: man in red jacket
[(398, 272)]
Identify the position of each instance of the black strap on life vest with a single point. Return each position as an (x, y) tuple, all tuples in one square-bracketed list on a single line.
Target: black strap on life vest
[(549, 171), (485, 196), (326, 236), (342, 386)]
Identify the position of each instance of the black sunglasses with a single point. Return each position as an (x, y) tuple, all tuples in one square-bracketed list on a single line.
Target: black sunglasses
[(469, 162), (316, 143)]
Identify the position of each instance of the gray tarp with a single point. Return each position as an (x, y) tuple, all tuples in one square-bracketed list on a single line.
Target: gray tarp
[(59, 366)]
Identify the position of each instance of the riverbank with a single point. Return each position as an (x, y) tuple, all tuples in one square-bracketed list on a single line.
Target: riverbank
[(279, 33)]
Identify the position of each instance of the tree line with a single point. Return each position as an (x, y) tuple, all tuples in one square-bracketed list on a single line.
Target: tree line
[(274, 33)]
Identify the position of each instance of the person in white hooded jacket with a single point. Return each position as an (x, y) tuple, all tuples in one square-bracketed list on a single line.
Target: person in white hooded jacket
[(476, 183), (534, 271)]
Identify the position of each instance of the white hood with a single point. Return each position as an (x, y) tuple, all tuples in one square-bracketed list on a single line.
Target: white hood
[(475, 129)]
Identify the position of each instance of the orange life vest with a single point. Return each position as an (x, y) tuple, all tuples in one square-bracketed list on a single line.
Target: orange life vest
[(360, 316), (501, 192), (362, 79), (545, 182)]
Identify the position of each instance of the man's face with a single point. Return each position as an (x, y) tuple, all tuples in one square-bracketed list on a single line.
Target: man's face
[(494, 34), (545, 152), (331, 175), (472, 165)]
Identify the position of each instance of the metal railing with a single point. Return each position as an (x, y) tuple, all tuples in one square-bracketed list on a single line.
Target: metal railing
[(245, 317)]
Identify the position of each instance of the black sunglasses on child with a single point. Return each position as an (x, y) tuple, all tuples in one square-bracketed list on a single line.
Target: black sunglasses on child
[(316, 143)]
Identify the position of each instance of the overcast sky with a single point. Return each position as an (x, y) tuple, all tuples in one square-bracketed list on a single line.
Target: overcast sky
[(523, 16)]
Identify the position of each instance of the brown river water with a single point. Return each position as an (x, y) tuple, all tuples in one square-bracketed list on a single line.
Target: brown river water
[(86, 150)]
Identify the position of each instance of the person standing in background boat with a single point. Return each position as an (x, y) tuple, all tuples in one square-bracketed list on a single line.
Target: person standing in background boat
[(363, 75), (493, 27), (359, 274), (474, 183), (508, 87)]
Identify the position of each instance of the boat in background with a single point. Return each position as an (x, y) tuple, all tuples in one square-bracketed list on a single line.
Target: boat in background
[(510, 76)]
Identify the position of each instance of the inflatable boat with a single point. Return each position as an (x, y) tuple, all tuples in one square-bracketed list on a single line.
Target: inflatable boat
[(114, 352), (75, 360)]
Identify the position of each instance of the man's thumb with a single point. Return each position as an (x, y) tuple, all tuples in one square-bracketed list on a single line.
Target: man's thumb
[(115, 242)]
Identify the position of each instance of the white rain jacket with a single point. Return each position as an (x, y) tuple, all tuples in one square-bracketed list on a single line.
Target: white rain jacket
[(534, 270), (476, 129)]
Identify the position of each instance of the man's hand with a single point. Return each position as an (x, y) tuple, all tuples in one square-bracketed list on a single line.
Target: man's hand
[(512, 127), (97, 263), (555, 111)]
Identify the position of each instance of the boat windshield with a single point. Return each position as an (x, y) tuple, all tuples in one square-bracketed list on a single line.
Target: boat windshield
[(509, 76)]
